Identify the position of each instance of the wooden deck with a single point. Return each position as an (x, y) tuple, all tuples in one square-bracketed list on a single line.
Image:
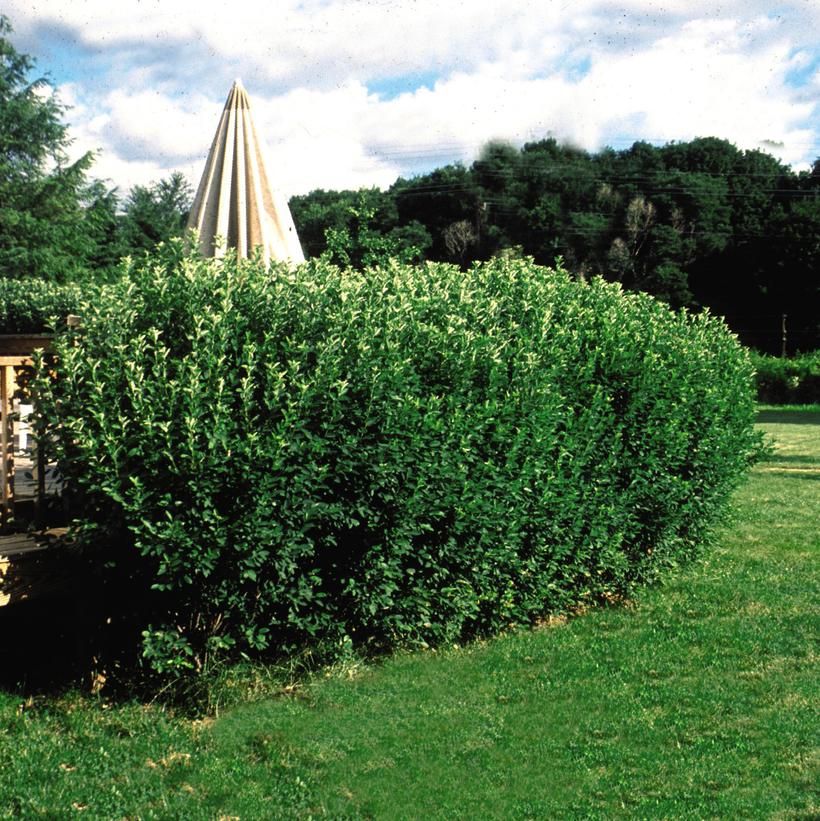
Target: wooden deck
[(16, 353), (31, 565)]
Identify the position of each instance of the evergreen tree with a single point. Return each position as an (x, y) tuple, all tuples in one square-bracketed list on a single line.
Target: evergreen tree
[(156, 213), (42, 230)]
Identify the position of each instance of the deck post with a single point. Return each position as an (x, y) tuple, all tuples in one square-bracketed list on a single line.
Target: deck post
[(7, 381), (40, 473)]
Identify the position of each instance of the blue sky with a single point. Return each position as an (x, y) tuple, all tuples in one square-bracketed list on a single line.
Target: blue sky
[(349, 93)]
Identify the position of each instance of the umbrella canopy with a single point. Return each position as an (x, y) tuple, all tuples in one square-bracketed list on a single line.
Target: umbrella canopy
[(235, 205)]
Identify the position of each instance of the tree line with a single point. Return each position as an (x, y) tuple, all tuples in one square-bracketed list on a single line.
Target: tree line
[(697, 224)]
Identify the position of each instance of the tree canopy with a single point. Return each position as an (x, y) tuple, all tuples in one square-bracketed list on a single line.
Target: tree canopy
[(56, 222), (42, 193), (155, 213), (697, 224)]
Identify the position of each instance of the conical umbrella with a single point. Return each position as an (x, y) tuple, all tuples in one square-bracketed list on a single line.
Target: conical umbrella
[(235, 205)]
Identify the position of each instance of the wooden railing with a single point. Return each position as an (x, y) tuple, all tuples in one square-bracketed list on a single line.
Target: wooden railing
[(16, 352), (32, 563)]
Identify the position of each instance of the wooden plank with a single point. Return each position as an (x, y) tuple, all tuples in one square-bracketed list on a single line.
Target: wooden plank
[(23, 344), (19, 543), (30, 566), (15, 360), (14, 543), (12, 552), (20, 582)]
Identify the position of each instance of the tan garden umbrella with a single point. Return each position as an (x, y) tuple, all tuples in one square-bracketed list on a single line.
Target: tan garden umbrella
[(235, 205)]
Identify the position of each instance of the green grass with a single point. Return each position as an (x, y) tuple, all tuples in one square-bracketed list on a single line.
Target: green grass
[(697, 700)]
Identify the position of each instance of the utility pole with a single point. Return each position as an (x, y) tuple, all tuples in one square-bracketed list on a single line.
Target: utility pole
[(783, 336)]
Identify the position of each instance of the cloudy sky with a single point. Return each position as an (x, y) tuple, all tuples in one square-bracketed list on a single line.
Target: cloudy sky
[(357, 92)]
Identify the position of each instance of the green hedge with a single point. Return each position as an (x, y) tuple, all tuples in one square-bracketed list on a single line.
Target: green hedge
[(404, 455), (787, 381), (34, 305)]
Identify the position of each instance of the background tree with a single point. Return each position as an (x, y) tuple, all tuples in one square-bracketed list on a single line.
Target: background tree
[(459, 237), (42, 228), (316, 213), (437, 200), (103, 230), (156, 213), (361, 243)]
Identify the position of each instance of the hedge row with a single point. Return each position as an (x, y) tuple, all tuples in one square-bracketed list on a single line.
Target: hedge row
[(36, 306), (788, 381), (409, 454)]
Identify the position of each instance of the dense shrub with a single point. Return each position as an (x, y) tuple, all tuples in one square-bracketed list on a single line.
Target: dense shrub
[(409, 454), (33, 305), (788, 381)]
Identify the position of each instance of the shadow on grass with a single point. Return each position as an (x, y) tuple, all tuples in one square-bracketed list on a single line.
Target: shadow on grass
[(42, 647), (793, 474), (788, 417), (792, 458), (67, 639)]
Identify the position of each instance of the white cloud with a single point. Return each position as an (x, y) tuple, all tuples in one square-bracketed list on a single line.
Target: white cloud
[(317, 42), (591, 72), (698, 83)]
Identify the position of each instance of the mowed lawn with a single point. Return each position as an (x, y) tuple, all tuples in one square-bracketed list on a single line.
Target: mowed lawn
[(697, 700)]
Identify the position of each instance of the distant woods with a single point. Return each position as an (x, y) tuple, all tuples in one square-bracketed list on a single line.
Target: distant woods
[(697, 224)]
